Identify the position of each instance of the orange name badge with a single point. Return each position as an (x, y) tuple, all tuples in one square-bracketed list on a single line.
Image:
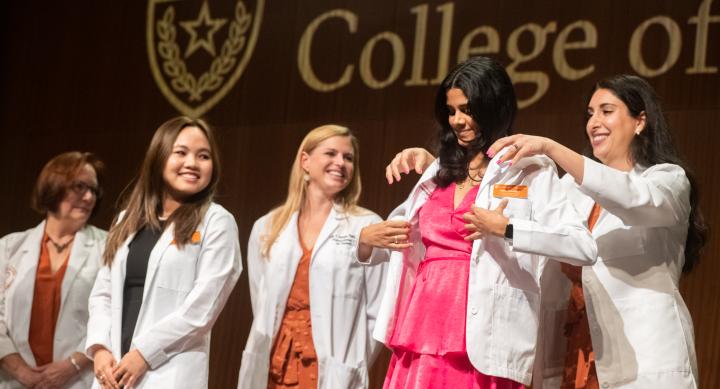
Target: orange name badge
[(516, 191)]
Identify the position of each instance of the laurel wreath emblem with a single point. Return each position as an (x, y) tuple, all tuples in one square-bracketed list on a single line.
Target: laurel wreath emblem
[(174, 66)]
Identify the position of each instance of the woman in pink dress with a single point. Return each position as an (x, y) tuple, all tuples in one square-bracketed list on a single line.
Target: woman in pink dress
[(461, 308)]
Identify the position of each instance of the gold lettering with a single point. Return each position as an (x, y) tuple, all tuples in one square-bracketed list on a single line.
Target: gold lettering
[(492, 46), (562, 45), (447, 10), (304, 64), (366, 59), (703, 20), (421, 12), (635, 51), (540, 79)]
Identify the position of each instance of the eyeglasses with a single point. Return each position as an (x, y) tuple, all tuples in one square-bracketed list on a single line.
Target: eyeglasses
[(80, 188)]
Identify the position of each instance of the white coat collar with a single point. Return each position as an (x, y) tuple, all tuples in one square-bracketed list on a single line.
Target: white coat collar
[(78, 256)]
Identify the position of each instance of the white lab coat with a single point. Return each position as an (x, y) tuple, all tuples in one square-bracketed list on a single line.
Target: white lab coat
[(185, 291), (641, 330), (19, 257), (344, 299), (503, 306)]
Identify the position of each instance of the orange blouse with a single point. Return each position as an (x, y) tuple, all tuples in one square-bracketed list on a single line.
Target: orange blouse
[(45, 306), (293, 362), (580, 370)]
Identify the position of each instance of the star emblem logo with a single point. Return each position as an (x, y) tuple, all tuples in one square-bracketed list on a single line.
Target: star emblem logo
[(210, 25), (196, 58)]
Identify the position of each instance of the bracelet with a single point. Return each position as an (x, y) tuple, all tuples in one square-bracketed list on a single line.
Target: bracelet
[(74, 363)]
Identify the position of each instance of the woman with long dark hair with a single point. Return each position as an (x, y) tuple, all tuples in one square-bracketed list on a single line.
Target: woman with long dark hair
[(171, 261), (461, 306), (626, 324)]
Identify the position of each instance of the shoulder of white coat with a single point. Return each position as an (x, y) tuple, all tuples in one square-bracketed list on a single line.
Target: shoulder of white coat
[(12, 241), (536, 161), (216, 213), (95, 233), (670, 168)]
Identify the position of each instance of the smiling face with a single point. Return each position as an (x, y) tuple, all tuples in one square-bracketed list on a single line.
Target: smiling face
[(80, 197), (189, 167), (330, 165), (611, 129), (462, 124)]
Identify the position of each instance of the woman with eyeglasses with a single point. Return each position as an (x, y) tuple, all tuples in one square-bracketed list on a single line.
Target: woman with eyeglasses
[(46, 274)]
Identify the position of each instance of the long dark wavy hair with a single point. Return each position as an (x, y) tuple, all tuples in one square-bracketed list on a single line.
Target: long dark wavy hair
[(653, 146), (491, 104)]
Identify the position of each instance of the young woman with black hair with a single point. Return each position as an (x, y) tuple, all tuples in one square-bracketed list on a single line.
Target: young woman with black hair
[(626, 324), (461, 305)]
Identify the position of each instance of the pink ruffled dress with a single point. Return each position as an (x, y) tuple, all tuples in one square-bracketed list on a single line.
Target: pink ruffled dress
[(428, 340)]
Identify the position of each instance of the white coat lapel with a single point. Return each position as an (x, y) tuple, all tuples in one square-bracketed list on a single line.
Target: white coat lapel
[(78, 256), (422, 190), (22, 287), (331, 223), (165, 240)]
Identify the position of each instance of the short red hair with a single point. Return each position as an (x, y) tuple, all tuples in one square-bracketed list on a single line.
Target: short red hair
[(57, 176)]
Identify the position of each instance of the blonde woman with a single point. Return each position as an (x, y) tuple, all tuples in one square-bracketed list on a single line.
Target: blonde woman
[(314, 305), (171, 261)]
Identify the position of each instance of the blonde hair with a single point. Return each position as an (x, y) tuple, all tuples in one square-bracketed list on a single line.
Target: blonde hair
[(347, 198), (144, 203)]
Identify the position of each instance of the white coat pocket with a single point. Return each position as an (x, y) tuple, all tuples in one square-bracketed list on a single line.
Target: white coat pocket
[(515, 316), (336, 374)]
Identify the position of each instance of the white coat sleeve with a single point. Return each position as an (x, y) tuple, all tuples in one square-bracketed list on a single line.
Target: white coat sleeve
[(658, 197), (218, 268), (256, 263), (555, 229), (7, 346), (99, 313), (374, 278)]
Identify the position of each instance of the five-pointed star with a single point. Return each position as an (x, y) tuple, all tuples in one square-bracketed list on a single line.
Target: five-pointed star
[(203, 19)]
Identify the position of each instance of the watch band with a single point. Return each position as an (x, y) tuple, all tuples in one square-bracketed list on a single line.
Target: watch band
[(509, 231)]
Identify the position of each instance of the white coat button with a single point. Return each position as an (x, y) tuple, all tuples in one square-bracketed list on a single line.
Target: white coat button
[(473, 310), (605, 385)]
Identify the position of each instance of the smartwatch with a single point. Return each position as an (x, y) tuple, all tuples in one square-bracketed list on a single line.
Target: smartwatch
[(509, 231)]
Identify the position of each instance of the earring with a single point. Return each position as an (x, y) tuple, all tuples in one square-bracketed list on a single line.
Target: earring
[(637, 132), (306, 177)]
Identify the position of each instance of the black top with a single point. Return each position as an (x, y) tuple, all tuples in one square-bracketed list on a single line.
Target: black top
[(135, 271)]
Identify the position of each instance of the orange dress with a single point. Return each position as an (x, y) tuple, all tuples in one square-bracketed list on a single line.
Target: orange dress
[(579, 370), (293, 362), (45, 306)]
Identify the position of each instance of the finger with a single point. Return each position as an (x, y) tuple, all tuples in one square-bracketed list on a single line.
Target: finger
[(522, 153), (420, 162), (398, 223), (394, 168), (474, 236), (124, 380), (400, 246), (404, 162), (501, 207), (131, 383), (388, 174), (500, 144)]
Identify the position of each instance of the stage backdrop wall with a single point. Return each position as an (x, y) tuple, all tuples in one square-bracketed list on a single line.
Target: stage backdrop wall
[(101, 76)]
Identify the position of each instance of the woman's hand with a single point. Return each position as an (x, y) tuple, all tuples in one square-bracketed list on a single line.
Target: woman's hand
[(14, 365), (56, 374), (522, 146), (130, 369), (482, 221), (390, 234), (413, 158), (104, 366)]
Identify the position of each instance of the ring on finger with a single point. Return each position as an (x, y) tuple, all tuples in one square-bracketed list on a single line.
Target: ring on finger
[(516, 147)]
